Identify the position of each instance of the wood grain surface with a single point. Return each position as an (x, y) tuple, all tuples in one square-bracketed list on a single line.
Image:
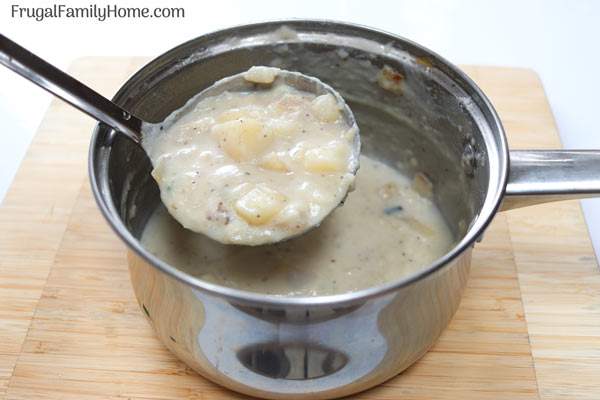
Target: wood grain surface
[(528, 326)]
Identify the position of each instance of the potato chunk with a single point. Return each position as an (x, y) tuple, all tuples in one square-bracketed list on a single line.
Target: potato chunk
[(283, 128), (242, 139), (261, 74), (326, 108), (260, 205), (274, 162), (330, 158)]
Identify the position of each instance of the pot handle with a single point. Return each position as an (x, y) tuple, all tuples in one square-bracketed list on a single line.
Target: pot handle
[(542, 176)]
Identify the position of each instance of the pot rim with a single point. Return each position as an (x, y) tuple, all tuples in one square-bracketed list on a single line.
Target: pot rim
[(488, 210)]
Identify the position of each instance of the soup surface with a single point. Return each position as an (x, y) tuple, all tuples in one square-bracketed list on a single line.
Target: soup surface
[(386, 229), (254, 167)]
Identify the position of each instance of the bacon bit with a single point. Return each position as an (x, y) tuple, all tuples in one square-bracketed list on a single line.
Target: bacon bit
[(390, 79), (220, 215)]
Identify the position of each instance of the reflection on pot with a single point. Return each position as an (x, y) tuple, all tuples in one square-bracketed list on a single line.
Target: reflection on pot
[(291, 360), (292, 348)]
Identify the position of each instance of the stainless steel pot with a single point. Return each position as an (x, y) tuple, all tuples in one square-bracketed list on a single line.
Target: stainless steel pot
[(432, 119)]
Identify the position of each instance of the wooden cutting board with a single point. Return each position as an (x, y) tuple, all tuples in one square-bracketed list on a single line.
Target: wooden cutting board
[(528, 326)]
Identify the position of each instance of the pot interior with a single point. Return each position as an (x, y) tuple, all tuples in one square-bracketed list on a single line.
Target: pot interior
[(415, 112)]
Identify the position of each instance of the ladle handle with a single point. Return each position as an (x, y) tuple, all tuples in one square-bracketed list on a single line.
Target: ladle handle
[(62, 85), (542, 176)]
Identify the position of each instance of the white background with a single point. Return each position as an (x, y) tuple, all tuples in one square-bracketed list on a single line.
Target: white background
[(558, 39)]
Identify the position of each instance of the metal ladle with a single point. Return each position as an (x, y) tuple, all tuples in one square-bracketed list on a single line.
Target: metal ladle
[(69, 89)]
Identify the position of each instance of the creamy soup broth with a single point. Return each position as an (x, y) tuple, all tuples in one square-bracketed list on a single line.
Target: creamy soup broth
[(387, 228)]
